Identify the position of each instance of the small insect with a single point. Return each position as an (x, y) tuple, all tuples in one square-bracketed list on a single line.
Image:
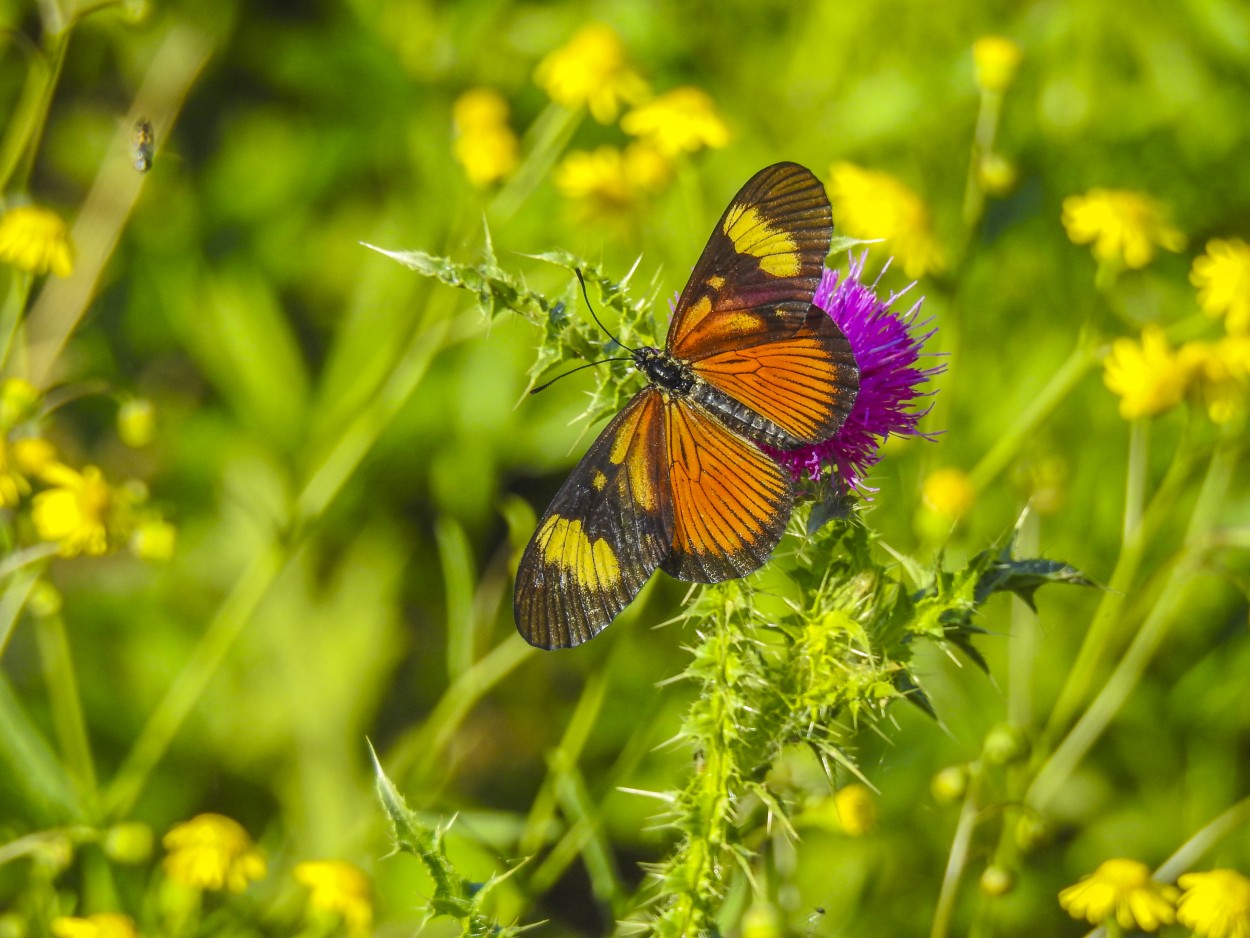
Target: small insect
[(142, 145), (676, 480)]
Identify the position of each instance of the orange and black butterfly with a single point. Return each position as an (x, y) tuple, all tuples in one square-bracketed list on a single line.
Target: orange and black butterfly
[(676, 480)]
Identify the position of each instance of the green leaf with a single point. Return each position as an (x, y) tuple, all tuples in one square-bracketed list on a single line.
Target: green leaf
[(1023, 577)]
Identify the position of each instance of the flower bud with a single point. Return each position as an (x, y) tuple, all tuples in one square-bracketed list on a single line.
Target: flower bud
[(996, 59), (997, 881), (1005, 744), (136, 422), (129, 842), (949, 784)]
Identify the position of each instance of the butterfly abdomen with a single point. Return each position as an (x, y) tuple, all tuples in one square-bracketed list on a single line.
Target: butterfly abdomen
[(741, 419)]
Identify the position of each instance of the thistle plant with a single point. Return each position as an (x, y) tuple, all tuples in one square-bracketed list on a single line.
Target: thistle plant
[(806, 652)]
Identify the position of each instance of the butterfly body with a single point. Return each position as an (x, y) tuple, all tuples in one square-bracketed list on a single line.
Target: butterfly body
[(677, 480)]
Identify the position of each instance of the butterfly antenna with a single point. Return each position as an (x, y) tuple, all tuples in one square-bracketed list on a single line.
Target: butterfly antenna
[(603, 361), (586, 297)]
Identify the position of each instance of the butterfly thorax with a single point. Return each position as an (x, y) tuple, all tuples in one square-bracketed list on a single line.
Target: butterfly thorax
[(663, 370)]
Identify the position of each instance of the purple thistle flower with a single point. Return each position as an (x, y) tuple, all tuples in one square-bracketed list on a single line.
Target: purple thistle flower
[(887, 346)]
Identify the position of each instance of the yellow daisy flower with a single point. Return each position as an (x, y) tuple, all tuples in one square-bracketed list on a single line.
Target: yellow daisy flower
[(1219, 375), (100, 925), (1125, 227), (212, 852), (683, 120), (857, 809), (339, 889), (1215, 904), (485, 145), (1222, 276), (869, 204), (33, 454), (1149, 376), (74, 511), (996, 59), (948, 493), (608, 182), (36, 239), (478, 109), (591, 69), (1124, 890)]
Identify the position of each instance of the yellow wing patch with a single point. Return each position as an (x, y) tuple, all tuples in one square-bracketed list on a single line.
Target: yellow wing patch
[(775, 248), (637, 458), (564, 544)]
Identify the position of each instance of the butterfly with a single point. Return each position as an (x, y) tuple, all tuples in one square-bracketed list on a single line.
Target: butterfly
[(676, 480)]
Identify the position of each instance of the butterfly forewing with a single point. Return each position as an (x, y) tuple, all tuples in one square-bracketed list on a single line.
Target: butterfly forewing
[(760, 268), (602, 537), (746, 322), (730, 500)]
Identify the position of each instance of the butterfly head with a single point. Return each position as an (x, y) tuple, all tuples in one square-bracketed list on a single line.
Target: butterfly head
[(663, 370)]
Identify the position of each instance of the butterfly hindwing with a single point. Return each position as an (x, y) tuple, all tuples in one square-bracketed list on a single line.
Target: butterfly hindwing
[(802, 382), (607, 529), (731, 501)]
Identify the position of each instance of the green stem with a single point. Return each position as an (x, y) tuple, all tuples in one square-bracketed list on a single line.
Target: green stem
[(988, 118), (1025, 427), (1085, 671), (546, 140), (15, 299), (957, 861), (13, 601), (1164, 612), (1135, 487), (26, 126), (1022, 643), (419, 753), (1197, 846), (62, 302), (185, 692), (331, 473), (67, 714)]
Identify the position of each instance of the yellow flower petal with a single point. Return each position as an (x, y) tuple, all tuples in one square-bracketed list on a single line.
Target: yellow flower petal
[(590, 69), (948, 493), (679, 121), (212, 852), (869, 204), (1219, 375), (609, 183), (996, 59), (857, 809), (1215, 904), (485, 145), (1124, 227), (1222, 276), (1123, 890), (1149, 376), (36, 239), (340, 889), (101, 925), (74, 512)]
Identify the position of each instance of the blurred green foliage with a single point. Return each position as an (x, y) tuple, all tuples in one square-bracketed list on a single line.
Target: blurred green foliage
[(352, 464)]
